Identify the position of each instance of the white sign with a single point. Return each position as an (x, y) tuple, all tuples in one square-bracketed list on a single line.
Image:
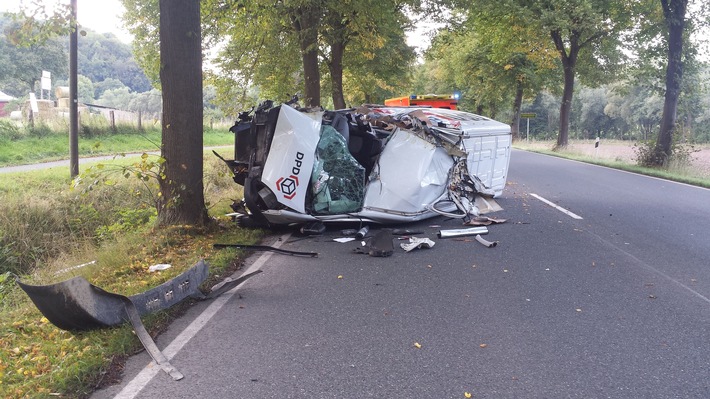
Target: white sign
[(46, 80), (33, 103)]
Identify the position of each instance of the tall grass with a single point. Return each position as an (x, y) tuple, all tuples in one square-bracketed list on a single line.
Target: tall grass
[(21, 144), (47, 228)]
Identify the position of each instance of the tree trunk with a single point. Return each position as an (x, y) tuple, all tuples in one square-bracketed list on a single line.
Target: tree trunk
[(517, 104), (305, 22), (674, 14), (182, 198), (569, 64), (336, 74)]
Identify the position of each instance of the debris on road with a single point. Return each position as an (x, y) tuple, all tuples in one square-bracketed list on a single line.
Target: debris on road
[(380, 245), (484, 221), (416, 242), (471, 231), (486, 243), (266, 248)]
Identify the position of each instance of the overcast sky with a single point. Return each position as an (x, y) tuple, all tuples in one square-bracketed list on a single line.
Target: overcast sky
[(101, 16), (104, 16)]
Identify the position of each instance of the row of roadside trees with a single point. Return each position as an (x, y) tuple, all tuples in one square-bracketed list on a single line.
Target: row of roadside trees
[(494, 51)]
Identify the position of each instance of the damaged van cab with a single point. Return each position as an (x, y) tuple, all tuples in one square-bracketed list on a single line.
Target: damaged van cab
[(374, 163)]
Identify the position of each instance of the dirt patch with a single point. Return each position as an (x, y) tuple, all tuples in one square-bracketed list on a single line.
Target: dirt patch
[(624, 151)]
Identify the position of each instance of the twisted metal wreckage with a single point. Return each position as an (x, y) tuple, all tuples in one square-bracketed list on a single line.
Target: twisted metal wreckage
[(371, 164)]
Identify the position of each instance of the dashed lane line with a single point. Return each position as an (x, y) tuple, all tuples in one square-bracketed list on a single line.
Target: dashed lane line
[(559, 208)]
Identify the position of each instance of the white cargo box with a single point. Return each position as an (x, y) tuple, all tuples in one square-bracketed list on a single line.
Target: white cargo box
[(487, 142)]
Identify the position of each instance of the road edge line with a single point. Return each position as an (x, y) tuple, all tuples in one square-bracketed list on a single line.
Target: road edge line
[(141, 380)]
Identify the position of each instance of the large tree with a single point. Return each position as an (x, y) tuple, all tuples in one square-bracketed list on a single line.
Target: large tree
[(182, 197), (585, 34), (507, 59), (22, 61), (674, 16)]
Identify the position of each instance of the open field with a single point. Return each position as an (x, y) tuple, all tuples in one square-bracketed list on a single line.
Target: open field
[(616, 151)]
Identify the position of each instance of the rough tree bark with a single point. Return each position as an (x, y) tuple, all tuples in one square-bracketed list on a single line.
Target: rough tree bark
[(335, 67), (305, 22), (182, 198), (569, 64), (674, 15)]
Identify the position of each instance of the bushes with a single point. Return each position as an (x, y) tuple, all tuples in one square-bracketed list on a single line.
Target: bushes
[(44, 222), (9, 131), (648, 155)]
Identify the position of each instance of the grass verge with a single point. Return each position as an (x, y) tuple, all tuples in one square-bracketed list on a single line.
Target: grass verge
[(36, 358), (27, 149)]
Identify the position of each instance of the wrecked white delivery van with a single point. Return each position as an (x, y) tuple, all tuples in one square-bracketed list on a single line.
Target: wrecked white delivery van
[(374, 163)]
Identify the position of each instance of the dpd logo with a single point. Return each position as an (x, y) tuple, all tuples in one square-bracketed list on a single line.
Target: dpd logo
[(288, 185)]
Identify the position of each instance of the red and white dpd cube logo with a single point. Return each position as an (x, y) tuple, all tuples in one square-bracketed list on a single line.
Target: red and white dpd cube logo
[(287, 186)]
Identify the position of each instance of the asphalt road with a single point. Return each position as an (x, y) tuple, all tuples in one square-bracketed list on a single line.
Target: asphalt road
[(612, 305)]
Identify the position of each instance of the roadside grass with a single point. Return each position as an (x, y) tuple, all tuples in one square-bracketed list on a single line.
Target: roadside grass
[(19, 146), (114, 227), (681, 172)]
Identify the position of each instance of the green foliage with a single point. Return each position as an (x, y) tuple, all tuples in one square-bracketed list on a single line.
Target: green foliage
[(146, 172), (128, 220), (649, 155), (22, 63), (9, 130), (40, 130), (103, 57), (489, 57)]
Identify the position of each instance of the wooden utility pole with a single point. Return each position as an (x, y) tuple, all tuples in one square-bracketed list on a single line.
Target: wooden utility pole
[(73, 96)]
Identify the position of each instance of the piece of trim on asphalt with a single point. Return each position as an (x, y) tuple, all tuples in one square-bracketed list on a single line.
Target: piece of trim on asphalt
[(140, 381), (559, 208)]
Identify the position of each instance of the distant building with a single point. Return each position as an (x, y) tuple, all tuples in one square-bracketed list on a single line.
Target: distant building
[(4, 99)]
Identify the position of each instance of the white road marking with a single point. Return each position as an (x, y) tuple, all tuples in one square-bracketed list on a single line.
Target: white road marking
[(559, 208), (140, 381)]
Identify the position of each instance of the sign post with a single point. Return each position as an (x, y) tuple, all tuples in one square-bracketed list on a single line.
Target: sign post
[(528, 116), (46, 84)]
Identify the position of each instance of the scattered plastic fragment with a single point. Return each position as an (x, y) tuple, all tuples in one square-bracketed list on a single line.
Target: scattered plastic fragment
[(484, 221), (488, 244), (344, 239), (159, 266), (417, 345), (417, 242), (467, 395)]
